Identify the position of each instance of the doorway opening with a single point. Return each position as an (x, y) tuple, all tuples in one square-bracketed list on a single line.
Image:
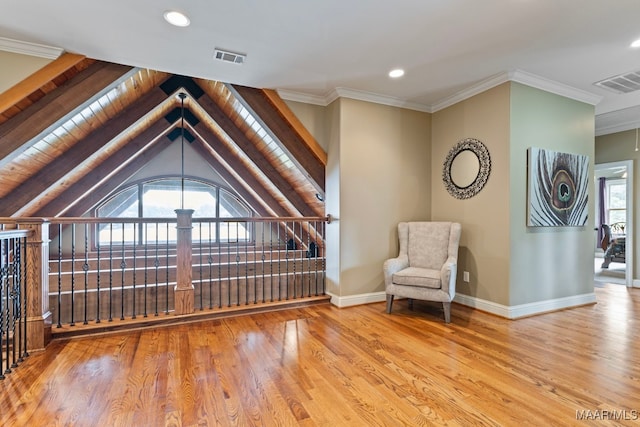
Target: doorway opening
[(613, 243)]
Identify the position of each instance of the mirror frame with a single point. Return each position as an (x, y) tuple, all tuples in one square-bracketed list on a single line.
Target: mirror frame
[(484, 160)]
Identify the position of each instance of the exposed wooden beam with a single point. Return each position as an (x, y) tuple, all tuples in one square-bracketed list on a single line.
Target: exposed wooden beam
[(273, 208), (44, 178), (38, 79), (203, 148), (255, 155), (288, 115), (221, 148), (82, 195), (288, 129), (32, 123)]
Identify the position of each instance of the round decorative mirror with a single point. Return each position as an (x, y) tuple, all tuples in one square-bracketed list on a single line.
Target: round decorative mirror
[(466, 168)]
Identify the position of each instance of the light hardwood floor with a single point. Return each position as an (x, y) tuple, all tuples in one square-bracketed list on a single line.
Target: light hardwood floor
[(356, 366)]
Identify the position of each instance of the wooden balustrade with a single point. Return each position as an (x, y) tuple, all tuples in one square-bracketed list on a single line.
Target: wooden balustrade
[(190, 265)]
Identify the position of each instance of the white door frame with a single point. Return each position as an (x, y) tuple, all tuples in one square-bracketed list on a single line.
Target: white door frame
[(629, 220)]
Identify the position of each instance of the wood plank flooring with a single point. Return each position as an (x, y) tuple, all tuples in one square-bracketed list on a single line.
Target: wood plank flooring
[(324, 366)]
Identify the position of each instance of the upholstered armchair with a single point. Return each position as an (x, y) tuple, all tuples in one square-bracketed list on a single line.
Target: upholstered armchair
[(426, 266)]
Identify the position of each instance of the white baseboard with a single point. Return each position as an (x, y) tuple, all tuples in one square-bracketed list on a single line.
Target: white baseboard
[(360, 299), (509, 312), (635, 283), (524, 310)]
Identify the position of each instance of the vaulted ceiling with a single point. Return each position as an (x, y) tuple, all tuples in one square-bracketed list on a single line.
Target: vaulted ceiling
[(74, 131)]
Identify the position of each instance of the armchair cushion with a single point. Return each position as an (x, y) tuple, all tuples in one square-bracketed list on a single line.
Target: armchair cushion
[(416, 276), (428, 245)]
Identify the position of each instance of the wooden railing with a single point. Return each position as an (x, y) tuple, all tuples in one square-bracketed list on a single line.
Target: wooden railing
[(104, 271)]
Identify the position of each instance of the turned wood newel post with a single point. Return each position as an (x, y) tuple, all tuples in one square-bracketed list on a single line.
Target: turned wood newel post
[(184, 287), (37, 279)]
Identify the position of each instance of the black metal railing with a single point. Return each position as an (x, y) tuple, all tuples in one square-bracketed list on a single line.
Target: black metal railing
[(104, 269), (13, 289)]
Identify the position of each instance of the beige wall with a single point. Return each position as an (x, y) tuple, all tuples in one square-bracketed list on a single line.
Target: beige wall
[(15, 67), (314, 119), (618, 147), (484, 244), (378, 175)]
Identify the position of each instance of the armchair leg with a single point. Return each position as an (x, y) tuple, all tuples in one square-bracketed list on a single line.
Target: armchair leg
[(389, 303), (410, 303), (447, 311)]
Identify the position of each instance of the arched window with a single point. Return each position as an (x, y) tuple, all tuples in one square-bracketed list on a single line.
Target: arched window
[(159, 198)]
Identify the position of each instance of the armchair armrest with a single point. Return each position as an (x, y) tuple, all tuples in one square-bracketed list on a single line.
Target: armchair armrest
[(448, 274), (394, 265)]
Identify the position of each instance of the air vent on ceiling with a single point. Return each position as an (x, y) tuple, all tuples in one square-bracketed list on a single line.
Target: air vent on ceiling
[(226, 56), (623, 83)]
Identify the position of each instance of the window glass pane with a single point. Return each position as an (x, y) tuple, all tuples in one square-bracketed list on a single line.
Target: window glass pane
[(617, 196), (160, 233), (117, 234), (234, 231), (161, 198), (618, 215), (122, 205), (231, 206)]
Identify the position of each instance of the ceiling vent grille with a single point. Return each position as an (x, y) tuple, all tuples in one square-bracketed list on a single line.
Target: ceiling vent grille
[(226, 56), (623, 83)]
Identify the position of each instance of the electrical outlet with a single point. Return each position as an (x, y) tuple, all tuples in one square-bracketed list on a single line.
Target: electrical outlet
[(465, 276)]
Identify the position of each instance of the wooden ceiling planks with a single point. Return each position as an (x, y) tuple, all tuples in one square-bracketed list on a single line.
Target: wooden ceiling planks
[(219, 104), (31, 124), (63, 138), (88, 190), (117, 152), (258, 204), (70, 165), (43, 179), (287, 129), (242, 172)]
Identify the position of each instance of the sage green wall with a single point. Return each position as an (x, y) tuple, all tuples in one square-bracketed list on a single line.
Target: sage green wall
[(547, 262), (484, 243), (617, 147), (16, 67)]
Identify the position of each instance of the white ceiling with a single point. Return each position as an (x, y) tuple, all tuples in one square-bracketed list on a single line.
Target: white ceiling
[(315, 47)]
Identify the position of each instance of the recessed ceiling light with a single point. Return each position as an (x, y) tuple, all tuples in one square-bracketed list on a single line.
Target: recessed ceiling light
[(176, 18), (398, 72), (636, 43)]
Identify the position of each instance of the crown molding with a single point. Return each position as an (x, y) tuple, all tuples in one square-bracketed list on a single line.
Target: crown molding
[(517, 76), (359, 95), (290, 95), (618, 121), (557, 88), (33, 49), (380, 99), (524, 78), (619, 127), (467, 93)]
